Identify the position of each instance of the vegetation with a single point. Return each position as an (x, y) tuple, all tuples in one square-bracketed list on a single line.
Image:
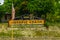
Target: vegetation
[(30, 33), (48, 9)]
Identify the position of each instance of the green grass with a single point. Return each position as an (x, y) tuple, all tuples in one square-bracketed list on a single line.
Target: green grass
[(29, 33), (36, 32), (47, 33), (5, 34)]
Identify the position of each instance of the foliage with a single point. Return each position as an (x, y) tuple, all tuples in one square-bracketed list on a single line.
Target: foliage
[(50, 9)]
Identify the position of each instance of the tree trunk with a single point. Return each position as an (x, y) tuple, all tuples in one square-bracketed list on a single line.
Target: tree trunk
[(46, 24), (0, 19)]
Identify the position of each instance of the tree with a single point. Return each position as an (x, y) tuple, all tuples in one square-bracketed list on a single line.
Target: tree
[(41, 7), (6, 7)]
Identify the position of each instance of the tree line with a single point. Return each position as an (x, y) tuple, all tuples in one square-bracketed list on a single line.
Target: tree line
[(47, 9)]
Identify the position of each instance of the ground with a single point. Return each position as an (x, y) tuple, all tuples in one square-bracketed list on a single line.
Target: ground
[(29, 32)]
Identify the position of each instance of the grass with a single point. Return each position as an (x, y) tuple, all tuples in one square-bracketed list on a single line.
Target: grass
[(5, 34), (29, 32), (47, 33)]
